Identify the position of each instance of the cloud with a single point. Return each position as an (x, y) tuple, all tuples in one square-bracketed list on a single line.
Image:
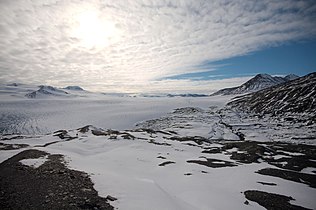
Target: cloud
[(192, 86), (128, 45)]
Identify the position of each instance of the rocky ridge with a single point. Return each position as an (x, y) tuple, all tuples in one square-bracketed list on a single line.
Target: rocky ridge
[(259, 82)]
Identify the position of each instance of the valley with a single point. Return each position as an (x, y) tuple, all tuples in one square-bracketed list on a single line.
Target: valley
[(158, 152)]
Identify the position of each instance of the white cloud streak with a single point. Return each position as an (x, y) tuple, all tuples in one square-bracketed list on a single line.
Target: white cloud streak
[(130, 44)]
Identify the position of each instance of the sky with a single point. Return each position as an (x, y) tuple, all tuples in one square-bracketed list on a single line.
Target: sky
[(175, 46)]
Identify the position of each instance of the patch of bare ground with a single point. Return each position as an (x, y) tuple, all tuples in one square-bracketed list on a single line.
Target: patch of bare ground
[(167, 163), (308, 179), (50, 186), (271, 201), (213, 163)]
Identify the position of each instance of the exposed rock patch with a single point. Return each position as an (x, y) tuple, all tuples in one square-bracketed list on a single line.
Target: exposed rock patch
[(12, 146), (272, 201), (213, 163), (167, 163), (308, 179), (50, 186)]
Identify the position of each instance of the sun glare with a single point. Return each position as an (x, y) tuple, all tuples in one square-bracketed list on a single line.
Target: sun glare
[(94, 31)]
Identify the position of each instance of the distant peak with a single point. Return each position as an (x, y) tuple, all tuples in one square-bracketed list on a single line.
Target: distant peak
[(46, 90), (259, 82), (46, 87), (74, 88), (263, 76), (291, 77), (13, 84)]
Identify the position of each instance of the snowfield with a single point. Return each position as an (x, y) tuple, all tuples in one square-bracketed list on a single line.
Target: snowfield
[(152, 170), (164, 152), (52, 112)]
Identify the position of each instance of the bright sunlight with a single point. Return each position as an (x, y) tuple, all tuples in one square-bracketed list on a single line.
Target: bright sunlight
[(94, 31)]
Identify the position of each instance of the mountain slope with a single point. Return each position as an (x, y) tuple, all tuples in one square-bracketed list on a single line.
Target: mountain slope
[(296, 96), (259, 82), (45, 91)]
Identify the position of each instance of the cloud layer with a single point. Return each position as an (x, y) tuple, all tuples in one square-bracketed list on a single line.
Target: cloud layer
[(127, 46)]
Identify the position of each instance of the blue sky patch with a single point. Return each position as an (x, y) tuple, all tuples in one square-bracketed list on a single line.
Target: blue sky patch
[(292, 58)]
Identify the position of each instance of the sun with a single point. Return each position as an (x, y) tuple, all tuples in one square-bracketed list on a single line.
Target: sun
[(94, 31)]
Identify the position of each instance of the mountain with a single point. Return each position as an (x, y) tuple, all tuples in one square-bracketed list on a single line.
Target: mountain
[(259, 82), (187, 95), (77, 88), (291, 77), (44, 91), (296, 96), (14, 84)]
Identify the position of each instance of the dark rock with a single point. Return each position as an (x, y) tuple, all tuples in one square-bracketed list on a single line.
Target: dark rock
[(272, 201), (12, 146), (47, 187), (128, 136), (99, 133), (157, 143), (213, 163), (197, 139), (84, 129), (110, 198), (212, 150), (166, 163), (252, 151), (308, 179)]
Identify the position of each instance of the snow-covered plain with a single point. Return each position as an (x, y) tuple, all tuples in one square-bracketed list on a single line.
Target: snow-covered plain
[(151, 162), (129, 166), (49, 113)]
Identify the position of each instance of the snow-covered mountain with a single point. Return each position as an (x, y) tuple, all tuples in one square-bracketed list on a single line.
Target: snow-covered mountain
[(259, 82), (44, 91), (291, 77), (296, 96), (76, 88)]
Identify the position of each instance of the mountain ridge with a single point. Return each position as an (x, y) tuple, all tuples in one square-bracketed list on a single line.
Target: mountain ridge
[(295, 96), (259, 82), (45, 90)]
